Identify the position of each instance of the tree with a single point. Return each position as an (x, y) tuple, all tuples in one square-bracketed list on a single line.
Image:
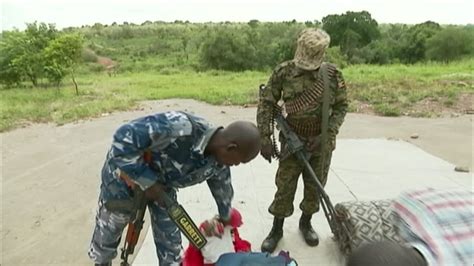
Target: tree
[(185, 36), (350, 43), (22, 53), (61, 57), (228, 51), (381, 51), (286, 44), (392, 38), (253, 23), (30, 60), (11, 48), (414, 41), (449, 44), (351, 30)]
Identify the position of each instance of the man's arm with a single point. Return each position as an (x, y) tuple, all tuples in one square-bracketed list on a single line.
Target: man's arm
[(131, 141), (223, 192), (268, 98), (339, 108)]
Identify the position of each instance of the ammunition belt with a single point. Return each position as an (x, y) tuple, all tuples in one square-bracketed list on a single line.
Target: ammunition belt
[(305, 127), (309, 98)]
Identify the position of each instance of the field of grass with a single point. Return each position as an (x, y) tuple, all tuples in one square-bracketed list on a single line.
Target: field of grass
[(395, 90), (386, 90), (99, 93)]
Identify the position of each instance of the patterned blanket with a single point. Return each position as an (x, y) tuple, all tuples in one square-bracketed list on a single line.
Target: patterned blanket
[(367, 221)]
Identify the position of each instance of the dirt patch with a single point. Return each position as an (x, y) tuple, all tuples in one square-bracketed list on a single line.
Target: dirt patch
[(105, 61), (442, 107), (465, 103), (428, 107), (361, 107)]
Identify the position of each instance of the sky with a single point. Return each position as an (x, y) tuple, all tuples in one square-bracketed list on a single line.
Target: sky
[(65, 13)]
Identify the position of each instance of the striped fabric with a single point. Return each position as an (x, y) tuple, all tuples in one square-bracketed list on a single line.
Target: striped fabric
[(439, 223)]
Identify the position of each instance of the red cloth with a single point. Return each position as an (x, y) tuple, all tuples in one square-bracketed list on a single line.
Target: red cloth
[(193, 256), (241, 245)]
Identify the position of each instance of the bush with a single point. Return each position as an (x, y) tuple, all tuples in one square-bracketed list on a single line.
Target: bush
[(413, 48), (377, 52), (88, 56), (449, 44), (11, 48), (22, 53), (335, 56), (227, 51), (96, 68)]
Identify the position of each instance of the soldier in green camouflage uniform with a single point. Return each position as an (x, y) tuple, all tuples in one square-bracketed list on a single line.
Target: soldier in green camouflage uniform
[(299, 85)]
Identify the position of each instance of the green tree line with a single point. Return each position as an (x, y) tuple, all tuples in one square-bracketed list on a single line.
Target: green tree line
[(43, 53)]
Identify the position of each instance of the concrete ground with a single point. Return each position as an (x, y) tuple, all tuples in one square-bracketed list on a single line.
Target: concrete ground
[(363, 169), (50, 178)]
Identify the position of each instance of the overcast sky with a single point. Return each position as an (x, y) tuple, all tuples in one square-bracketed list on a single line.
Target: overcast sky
[(66, 13)]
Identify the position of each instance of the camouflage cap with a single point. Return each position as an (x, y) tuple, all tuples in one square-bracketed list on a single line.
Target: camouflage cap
[(311, 45)]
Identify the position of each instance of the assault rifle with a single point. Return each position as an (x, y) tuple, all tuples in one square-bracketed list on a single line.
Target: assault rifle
[(295, 146), (137, 206)]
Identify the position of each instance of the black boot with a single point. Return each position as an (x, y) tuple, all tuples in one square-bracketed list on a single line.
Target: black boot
[(270, 243), (310, 236)]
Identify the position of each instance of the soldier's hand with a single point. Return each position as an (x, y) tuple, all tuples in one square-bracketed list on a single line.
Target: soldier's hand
[(212, 227), (267, 152), (156, 193)]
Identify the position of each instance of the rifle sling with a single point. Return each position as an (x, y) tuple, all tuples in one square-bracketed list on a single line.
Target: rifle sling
[(324, 113)]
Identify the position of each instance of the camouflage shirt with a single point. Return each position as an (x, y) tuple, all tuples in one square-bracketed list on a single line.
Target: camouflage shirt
[(286, 83), (177, 142)]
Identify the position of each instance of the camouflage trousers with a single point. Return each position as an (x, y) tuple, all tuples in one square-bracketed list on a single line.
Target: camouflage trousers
[(286, 180), (110, 226)]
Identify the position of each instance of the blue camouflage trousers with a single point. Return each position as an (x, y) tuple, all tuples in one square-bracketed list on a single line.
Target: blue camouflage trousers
[(110, 226)]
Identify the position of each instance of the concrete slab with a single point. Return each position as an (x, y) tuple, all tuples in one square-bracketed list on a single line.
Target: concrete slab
[(362, 169)]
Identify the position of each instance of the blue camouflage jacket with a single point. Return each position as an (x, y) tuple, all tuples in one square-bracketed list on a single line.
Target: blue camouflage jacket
[(177, 141)]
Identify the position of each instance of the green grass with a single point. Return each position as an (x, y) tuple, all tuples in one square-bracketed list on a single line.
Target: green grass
[(387, 109), (394, 89), (100, 93), (389, 90), (20, 106)]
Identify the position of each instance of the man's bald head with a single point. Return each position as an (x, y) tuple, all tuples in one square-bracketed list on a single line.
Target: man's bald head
[(237, 143), (385, 253), (247, 137)]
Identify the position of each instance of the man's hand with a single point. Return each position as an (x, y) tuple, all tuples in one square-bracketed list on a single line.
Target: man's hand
[(212, 227), (267, 152), (156, 193)]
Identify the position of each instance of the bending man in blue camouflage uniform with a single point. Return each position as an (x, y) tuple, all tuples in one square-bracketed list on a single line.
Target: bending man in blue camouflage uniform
[(185, 150)]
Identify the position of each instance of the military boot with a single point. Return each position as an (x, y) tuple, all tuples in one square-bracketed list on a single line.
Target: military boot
[(270, 243), (309, 235)]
